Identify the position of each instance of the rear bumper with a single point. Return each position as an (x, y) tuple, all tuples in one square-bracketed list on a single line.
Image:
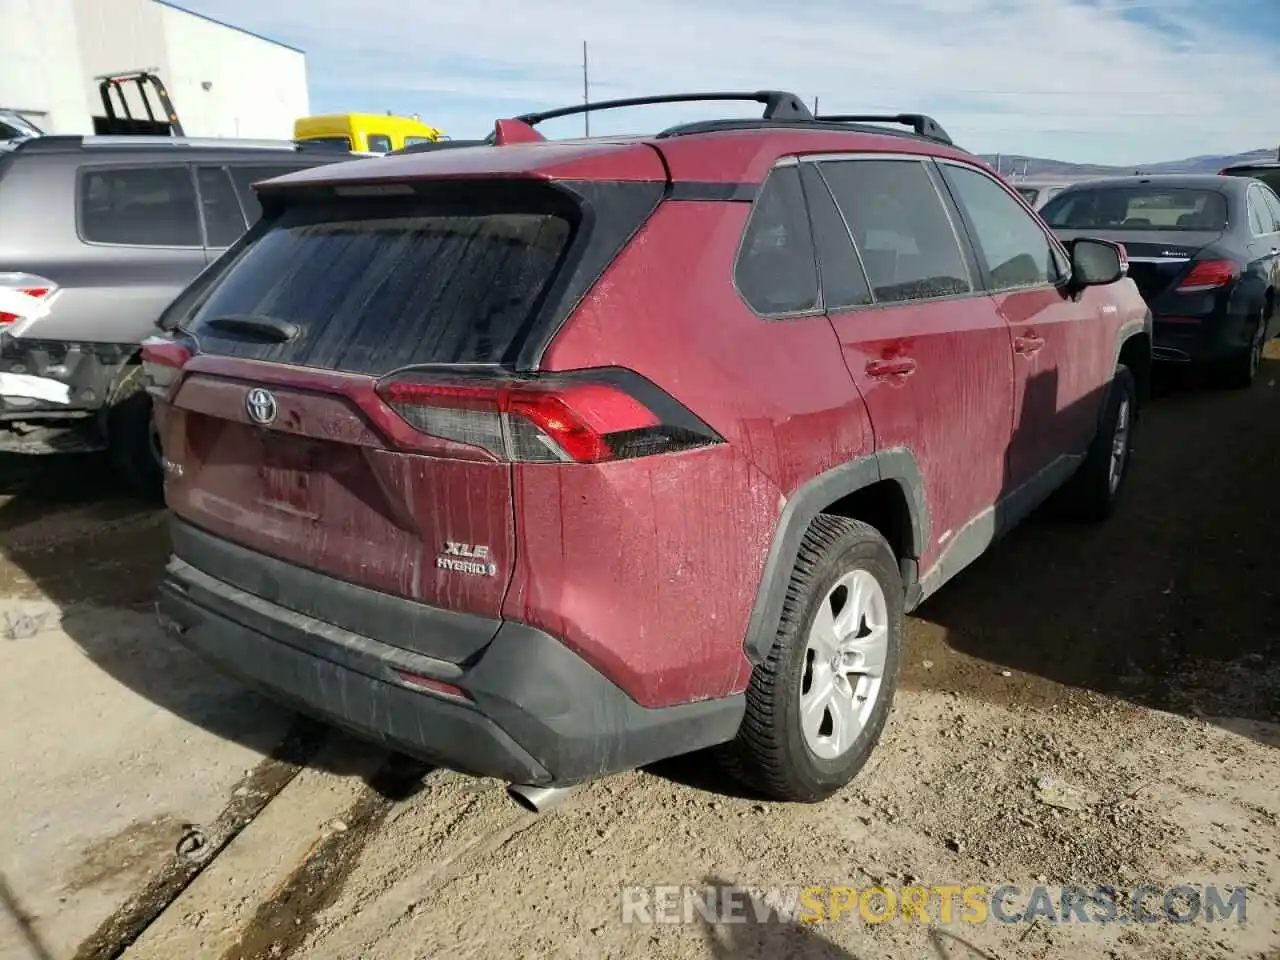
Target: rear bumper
[(53, 393), (534, 713), (1207, 339)]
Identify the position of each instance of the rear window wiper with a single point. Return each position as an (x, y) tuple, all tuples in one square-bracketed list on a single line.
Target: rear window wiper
[(268, 328)]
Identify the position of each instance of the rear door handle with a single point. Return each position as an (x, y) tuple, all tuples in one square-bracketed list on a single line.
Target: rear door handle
[(897, 367), (1028, 345)]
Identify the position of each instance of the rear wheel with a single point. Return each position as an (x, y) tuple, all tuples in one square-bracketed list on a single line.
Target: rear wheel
[(818, 703), (133, 441), (1094, 491), (1243, 369)]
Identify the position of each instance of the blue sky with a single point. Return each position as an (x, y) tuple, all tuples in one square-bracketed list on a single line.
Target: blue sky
[(1106, 81)]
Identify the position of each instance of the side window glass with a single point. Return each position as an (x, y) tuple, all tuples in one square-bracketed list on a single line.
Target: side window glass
[(1017, 252), (1257, 220), (844, 284), (244, 179), (139, 206), (379, 143), (1273, 205), (223, 221), (776, 272), (900, 227)]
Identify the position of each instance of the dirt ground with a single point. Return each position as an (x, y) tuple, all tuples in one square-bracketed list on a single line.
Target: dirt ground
[(1083, 706)]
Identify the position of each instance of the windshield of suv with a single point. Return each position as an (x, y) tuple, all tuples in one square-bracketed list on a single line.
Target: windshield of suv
[(1145, 207), (15, 125), (343, 142), (1268, 175)]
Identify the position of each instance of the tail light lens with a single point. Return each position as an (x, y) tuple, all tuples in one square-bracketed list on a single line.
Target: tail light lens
[(1209, 275), (38, 289), (588, 417), (162, 363)]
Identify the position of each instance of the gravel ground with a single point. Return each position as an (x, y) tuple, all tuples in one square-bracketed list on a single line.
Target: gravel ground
[(1083, 706)]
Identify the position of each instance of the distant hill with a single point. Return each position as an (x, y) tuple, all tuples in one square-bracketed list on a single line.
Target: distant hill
[(1042, 167)]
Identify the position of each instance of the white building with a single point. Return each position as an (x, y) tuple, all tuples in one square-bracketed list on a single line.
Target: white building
[(224, 81)]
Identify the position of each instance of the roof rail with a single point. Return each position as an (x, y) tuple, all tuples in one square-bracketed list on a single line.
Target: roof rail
[(921, 125), (778, 105), (54, 143)]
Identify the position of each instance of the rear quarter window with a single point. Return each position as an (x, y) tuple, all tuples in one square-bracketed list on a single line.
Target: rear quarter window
[(152, 206), (776, 271)]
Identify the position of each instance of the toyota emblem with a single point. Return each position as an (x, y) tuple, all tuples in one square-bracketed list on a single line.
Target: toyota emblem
[(261, 406)]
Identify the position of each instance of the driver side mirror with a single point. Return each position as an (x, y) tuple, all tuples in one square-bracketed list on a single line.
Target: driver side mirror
[(1096, 263)]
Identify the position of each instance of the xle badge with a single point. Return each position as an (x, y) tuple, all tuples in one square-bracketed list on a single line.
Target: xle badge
[(465, 558)]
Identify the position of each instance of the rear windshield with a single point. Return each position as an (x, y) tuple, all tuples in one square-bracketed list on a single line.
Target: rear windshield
[(1269, 176), (375, 285), (1137, 208), (1029, 194)]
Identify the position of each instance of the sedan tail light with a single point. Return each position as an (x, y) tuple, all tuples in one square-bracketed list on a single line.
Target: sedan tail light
[(1209, 275), (162, 362), (584, 417), (24, 296)]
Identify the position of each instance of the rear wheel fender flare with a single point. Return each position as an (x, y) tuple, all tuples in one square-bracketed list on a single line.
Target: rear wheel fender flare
[(800, 510)]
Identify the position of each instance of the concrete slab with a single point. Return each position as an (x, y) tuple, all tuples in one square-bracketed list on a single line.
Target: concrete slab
[(113, 739)]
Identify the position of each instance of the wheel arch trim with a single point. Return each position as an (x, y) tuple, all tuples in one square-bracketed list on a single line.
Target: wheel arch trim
[(805, 504)]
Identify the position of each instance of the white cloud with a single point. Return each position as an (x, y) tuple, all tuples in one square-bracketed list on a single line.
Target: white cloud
[(1099, 80)]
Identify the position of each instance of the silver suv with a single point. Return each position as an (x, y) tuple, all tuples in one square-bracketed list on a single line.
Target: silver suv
[(97, 236)]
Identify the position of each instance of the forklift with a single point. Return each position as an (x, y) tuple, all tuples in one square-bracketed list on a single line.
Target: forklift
[(122, 122)]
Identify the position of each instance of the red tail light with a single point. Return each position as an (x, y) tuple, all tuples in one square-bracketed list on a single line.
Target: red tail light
[(26, 284), (162, 363), (1209, 275), (590, 417)]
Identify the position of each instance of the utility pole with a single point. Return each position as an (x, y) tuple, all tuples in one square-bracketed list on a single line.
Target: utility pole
[(815, 106), (586, 93)]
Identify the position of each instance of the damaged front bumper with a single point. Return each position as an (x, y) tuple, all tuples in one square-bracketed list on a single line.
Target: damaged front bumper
[(54, 394)]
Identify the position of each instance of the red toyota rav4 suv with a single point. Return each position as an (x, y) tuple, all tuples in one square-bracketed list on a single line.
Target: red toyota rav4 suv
[(542, 460)]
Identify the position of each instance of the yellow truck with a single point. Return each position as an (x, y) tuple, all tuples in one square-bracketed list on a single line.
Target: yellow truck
[(365, 132)]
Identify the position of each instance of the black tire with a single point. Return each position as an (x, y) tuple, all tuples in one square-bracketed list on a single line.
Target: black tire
[(770, 754), (130, 444), (1242, 370), (1091, 495)]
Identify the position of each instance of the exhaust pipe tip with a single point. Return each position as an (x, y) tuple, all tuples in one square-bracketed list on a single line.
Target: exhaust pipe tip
[(538, 799)]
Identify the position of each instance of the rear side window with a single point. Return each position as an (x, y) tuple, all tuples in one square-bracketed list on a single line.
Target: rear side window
[(1259, 218), (903, 233), (379, 143), (844, 284), (776, 272), (244, 179), (376, 285), (1273, 204), (223, 221), (139, 206)]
